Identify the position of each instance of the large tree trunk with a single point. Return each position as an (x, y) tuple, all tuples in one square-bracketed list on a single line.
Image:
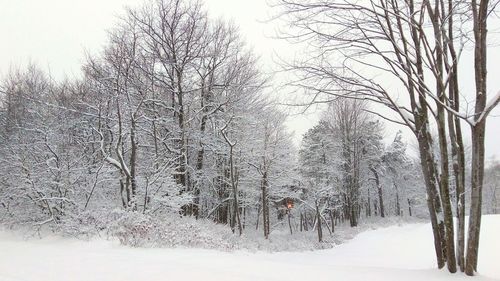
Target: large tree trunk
[(449, 237), (477, 174), (458, 160), (436, 16), (433, 201), (417, 94), (455, 133), (480, 15)]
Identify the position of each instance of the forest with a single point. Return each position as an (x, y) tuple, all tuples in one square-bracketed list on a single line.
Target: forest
[(172, 127)]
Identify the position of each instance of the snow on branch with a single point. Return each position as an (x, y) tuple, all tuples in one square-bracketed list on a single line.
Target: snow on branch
[(487, 109)]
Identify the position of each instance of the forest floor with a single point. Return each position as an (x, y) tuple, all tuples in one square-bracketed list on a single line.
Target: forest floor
[(402, 252)]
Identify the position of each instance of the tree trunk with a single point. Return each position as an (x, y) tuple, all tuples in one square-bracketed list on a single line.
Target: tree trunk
[(435, 15), (398, 206), (433, 201), (306, 225), (427, 160), (289, 223), (133, 169), (235, 191), (332, 219), (301, 221), (478, 132), (265, 206), (258, 216), (477, 174), (456, 141), (318, 219), (379, 189), (369, 204)]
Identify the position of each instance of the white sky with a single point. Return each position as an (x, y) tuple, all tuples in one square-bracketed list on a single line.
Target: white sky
[(55, 34)]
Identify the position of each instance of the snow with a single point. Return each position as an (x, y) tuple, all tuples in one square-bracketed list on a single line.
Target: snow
[(392, 253), (493, 102), (489, 106)]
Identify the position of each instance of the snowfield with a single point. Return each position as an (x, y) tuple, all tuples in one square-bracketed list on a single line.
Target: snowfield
[(392, 253)]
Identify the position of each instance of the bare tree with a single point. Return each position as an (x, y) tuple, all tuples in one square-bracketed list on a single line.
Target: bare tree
[(354, 44)]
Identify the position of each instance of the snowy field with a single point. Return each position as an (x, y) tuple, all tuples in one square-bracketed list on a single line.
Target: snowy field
[(392, 253)]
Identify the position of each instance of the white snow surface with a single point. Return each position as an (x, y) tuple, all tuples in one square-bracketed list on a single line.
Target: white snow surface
[(393, 253)]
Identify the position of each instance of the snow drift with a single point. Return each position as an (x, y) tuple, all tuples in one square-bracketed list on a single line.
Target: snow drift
[(393, 253)]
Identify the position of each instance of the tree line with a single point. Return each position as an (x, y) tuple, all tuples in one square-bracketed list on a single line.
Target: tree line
[(171, 116)]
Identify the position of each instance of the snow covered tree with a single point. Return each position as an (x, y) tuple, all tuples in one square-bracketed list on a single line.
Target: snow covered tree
[(369, 50)]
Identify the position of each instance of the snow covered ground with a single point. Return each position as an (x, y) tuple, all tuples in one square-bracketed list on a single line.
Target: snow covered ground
[(392, 253)]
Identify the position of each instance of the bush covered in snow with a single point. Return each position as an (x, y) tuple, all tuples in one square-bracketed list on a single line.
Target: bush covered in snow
[(142, 230), (171, 230)]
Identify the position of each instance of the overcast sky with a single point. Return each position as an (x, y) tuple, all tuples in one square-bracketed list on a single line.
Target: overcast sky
[(55, 34)]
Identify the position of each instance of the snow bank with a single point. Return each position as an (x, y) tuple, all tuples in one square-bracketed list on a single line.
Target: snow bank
[(401, 252)]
